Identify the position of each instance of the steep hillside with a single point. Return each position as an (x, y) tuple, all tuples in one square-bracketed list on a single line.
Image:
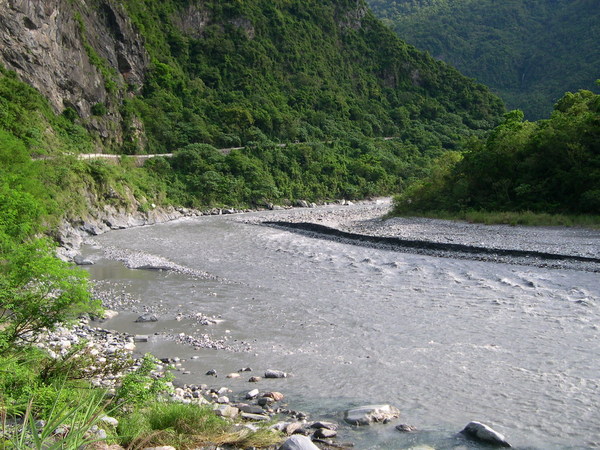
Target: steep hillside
[(158, 75), (528, 51), (549, 166)]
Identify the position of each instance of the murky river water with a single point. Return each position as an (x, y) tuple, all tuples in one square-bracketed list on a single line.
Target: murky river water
[(446, 341)]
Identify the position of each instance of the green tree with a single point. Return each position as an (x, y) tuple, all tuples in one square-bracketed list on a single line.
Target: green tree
[(38, 291)]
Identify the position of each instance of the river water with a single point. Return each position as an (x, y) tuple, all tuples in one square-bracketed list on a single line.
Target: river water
[(445, 340)]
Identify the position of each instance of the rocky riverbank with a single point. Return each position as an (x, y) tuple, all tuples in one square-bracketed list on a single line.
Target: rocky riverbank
[(111, 358), (367, 224), (364, 219)]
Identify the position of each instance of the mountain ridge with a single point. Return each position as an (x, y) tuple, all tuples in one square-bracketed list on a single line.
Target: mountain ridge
[(528, 52)]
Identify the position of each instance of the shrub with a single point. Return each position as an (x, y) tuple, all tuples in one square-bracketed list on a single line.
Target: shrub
[(38, 291)]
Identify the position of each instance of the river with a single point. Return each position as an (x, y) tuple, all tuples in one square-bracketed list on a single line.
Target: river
[(446, 340)]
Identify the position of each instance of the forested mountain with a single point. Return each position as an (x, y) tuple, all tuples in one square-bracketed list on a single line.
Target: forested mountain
[(159, 76), (229, 72), (528, 51)]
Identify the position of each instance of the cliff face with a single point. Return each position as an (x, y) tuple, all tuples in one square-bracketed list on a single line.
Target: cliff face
[(83, 55)]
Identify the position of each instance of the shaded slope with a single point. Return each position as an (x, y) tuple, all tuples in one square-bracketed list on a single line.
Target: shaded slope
[(529, 52)]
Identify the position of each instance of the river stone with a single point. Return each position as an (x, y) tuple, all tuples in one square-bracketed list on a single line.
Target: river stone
[(366, 415), (265, 401), (405, 428), (483, 433), (276, 396), (270, 373), (254, 379), (227, 411), (130, 346), (252, 409), (140, 338), (81, 261), (233, 375), (298, 442), (255, 417), (252, 394), (322, 424), (324, 433), (147, 318), (109, 314)]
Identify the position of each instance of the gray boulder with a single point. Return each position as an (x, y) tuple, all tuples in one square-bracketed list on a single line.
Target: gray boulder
[(298, 442), (147, 318), (81, 261), (270, 373), (366, 415), (252, 409), (483, 433), (227, 411)]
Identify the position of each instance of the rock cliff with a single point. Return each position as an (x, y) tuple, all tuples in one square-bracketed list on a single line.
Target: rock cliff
[(82, 55)]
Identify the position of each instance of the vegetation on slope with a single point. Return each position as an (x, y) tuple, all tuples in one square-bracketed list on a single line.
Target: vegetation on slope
[(227, 73), (528, 51), (549, 166)]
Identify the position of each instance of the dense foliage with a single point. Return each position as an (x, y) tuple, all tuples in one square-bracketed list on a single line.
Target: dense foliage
[(551, 166), (201, 175), (528, 51), (227, 73)]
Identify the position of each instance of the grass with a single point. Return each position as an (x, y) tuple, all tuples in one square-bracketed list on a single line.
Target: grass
[(513, 218), (186, 426), (67, 426)]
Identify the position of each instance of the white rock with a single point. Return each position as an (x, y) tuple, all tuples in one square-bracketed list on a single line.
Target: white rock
[(298, 442), (110, 314), (366, 415), (252, 394), (110, 421)]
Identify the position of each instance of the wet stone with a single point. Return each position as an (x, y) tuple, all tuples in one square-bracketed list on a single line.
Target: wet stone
[(270, 373), (404, 428), (147, 318), (324, 433)]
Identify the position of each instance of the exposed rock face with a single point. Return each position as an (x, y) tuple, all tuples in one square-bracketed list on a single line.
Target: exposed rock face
[(49, 44), (352, 18), (193, 21)]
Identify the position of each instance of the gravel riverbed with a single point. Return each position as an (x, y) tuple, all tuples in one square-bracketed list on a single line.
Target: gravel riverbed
[(553, 247)]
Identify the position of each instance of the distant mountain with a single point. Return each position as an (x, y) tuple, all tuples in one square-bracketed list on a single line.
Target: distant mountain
[(528, 51)]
